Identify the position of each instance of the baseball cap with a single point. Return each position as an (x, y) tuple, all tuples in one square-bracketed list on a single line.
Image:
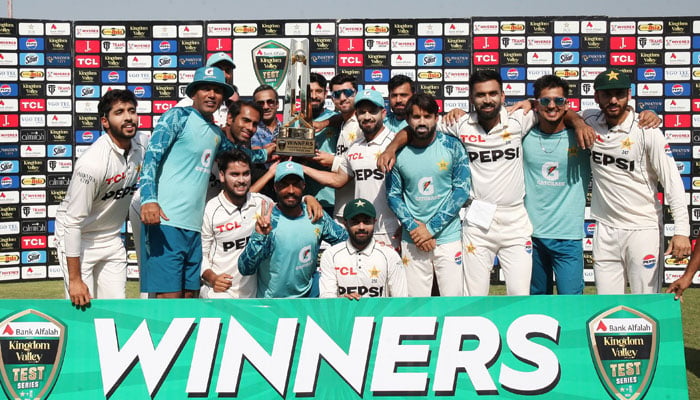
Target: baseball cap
[(288, 168), (357, 207), (209, 75), (611, 79), (220, 57), (370, 95)]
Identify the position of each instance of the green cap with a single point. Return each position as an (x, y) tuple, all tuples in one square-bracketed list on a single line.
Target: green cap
[(357, 207), (611, 79)]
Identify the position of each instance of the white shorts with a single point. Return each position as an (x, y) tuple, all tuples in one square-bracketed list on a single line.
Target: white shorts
[(622, 255), (102, 267), (509, 238), (445, 260)]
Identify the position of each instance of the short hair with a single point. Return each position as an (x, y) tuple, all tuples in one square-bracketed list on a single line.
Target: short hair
[(550, 82), (424, 102), (114, 96), (484, 75), (342, 78), (318, 78), (263, 88), (225, 157), (235, 108), (398, 80)]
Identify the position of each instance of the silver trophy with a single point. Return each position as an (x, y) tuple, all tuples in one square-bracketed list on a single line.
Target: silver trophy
[(296, 136)]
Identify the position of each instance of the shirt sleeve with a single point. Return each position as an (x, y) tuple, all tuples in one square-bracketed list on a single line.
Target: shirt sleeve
[(83, 189), (461, 183), (396, 275), (257, 156), (332, 231), (169, 127), (207, 241), (259, 248), (344, 165), (328, 283), (394, 195), (667, 172)]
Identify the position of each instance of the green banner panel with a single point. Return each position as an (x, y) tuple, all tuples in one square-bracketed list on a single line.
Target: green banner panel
[(552, 347)]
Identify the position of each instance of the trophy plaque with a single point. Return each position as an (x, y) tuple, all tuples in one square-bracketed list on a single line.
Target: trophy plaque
[(296, 136)]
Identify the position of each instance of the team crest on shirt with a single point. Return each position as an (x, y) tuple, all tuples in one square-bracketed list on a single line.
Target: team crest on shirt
[(627, 144), (506, 136), (649, 261), (471, 248), (443, 165)]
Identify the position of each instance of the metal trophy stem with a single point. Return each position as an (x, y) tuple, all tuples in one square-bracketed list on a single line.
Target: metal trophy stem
[(296, 137)]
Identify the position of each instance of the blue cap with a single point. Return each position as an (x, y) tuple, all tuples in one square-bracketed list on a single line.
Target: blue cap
[(220, 57), (288, 168), (210, 75), (370, 95)]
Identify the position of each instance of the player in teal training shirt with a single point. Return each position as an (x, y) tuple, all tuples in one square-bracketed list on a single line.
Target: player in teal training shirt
[(174, 180), (283, 250), (429, 184)]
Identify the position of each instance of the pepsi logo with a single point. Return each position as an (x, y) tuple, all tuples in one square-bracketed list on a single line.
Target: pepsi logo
[(649, 261)]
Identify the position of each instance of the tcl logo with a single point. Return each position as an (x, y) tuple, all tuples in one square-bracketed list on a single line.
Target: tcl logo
[(346, 271), (87, 46), (623, 43), (574, 104), (489, 58), (351, 60), (623, 58), (696, 105), (87, 61), (116, 178), (160, 107), (33, 242), (32, 105), (229, 226)]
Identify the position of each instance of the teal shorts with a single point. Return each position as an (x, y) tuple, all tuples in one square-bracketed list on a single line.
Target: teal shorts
[(171, 259)]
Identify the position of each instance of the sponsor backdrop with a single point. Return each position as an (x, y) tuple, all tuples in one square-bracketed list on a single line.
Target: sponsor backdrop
[(619, 347), (52, 74)]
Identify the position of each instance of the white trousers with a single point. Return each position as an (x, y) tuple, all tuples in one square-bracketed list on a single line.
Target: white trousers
[(445, 260)]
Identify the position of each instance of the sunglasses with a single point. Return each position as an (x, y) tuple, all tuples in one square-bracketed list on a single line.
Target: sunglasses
[(269, 102), (558, 101), (347, 92)]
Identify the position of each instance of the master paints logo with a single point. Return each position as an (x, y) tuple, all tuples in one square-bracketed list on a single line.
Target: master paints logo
[(32, 345), (624, 347)]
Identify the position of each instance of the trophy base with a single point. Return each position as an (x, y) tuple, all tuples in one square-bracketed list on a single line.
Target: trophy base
[(296, 141)]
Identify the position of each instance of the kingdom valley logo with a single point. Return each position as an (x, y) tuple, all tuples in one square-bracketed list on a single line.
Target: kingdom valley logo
[(270, 62), (624, 346), (32, 349)]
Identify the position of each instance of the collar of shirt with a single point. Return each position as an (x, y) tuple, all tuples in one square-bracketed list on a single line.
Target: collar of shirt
[(473, 118), (264, 128), (624, 127), (367, 251), (325, 114), (379, 138), (230, 207), (118, 149), (349, 121)]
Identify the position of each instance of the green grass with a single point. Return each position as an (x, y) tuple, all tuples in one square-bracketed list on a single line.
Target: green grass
[(690, 309)]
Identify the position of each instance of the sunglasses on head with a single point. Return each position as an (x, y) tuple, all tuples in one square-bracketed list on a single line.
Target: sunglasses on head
[(347, 92), (558, 101)]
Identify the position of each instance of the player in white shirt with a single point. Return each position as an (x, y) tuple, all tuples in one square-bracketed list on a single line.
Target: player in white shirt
[(359, 163), (628, 163), (496, 222), (90, 218), (360, 266), (229, 220)]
